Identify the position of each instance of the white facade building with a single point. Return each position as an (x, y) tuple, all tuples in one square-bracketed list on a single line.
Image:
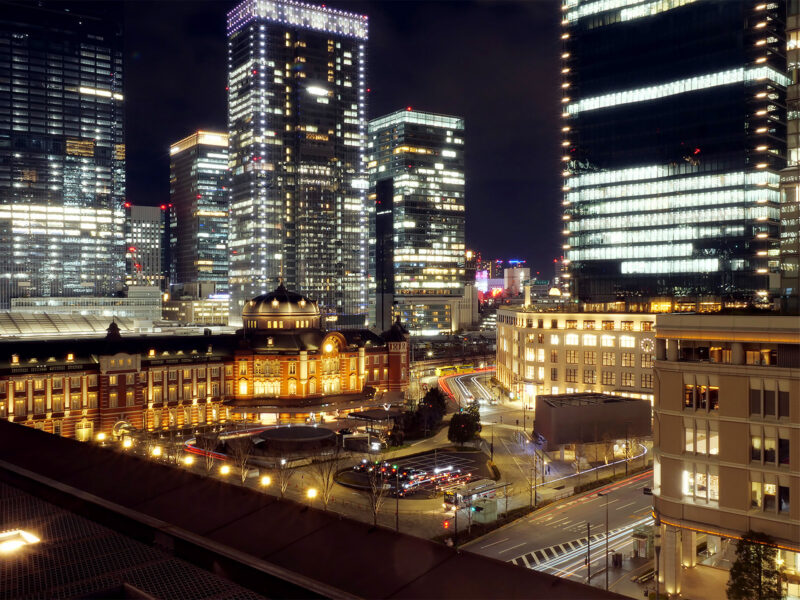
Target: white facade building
[(559, 352)]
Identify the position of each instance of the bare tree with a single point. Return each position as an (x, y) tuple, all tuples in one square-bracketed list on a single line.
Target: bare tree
[(636, 445), (173, 447), (284, 474), (608, 448), (376, 493), (240, 449), (325, 467), (208, 443)]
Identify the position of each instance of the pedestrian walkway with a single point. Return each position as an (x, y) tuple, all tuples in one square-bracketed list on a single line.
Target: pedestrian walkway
[(698, 583)]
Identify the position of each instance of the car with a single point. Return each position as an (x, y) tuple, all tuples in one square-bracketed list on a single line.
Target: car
[(345, 431)]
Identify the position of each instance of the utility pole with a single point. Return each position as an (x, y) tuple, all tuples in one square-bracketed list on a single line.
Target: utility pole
[(455, 537), (397, 500), (588, 553), (491, 445), (606, 497)]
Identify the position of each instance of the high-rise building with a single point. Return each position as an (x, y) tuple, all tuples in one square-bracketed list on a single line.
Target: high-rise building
[(790, 177), (726, 433), (416, 169), (674, 133), (62, 152), (297, 127), (198, 219), (144, 237)]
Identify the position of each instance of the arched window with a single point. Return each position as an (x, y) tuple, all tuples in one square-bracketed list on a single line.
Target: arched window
[(292, 387), (312, 386), (243, 386)]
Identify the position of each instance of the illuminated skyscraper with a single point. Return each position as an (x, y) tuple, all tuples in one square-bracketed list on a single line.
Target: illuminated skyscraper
[(144, 238), (674, 133), (62, 152), (198, 214), (297, 132), (790, 177), (416, 167)]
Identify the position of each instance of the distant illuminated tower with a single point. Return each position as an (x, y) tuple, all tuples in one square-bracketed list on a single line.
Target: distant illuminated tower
[(674, 134), (297, 131), (416, 168), (198, 219), (62, 151), (144, 237)]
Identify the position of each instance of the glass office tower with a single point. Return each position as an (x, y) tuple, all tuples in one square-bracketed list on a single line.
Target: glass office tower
[(674, 132), (62, 151), (297, 129), (416, 169), (198, 214), (144, 236), (790, 177)]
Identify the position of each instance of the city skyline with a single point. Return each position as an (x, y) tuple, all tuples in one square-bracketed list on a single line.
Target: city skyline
[(507, 172)]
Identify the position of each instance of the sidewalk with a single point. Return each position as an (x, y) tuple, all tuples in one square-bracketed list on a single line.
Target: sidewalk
[(698, 583)]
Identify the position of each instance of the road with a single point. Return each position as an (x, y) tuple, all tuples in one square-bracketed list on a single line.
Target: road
[(553, 539)]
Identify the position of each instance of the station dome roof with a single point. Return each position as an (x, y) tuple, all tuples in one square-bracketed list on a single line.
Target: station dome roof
[(280, 303)]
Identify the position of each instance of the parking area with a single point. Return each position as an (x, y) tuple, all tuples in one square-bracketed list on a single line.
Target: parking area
[(423, 476), (431, 462)]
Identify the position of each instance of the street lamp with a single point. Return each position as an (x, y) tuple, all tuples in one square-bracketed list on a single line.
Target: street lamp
[(657, 545), (266, 480), (606, 497), (311, 494)]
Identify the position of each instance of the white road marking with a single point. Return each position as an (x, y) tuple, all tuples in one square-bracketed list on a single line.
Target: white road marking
[(493, 543), (624, 505), (512, 547)]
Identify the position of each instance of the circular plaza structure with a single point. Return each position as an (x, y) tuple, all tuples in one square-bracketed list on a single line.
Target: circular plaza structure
[(297, 439)]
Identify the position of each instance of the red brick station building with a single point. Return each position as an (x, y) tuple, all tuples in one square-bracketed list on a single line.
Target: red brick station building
[(283, 366)]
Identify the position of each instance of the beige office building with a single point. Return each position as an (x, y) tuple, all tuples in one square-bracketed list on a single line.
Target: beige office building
[(562, 352), (726, 438)]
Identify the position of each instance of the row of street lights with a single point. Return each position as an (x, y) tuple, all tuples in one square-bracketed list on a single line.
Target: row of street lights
[(188, 460)]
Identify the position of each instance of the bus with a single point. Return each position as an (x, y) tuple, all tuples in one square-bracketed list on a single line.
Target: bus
[(465, 368), (466, 494), (449, 370)]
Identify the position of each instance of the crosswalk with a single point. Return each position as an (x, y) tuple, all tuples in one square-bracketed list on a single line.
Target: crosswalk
[(532, 560)]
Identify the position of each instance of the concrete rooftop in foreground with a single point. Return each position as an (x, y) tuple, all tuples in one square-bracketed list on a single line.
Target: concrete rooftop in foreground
[(276, 548)]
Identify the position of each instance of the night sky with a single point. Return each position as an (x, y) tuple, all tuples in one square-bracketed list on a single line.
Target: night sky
[(494, 63)]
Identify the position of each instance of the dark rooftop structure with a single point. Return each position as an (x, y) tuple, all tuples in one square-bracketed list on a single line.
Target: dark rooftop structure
[(584, 399), (590, 417), (276, 548)]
